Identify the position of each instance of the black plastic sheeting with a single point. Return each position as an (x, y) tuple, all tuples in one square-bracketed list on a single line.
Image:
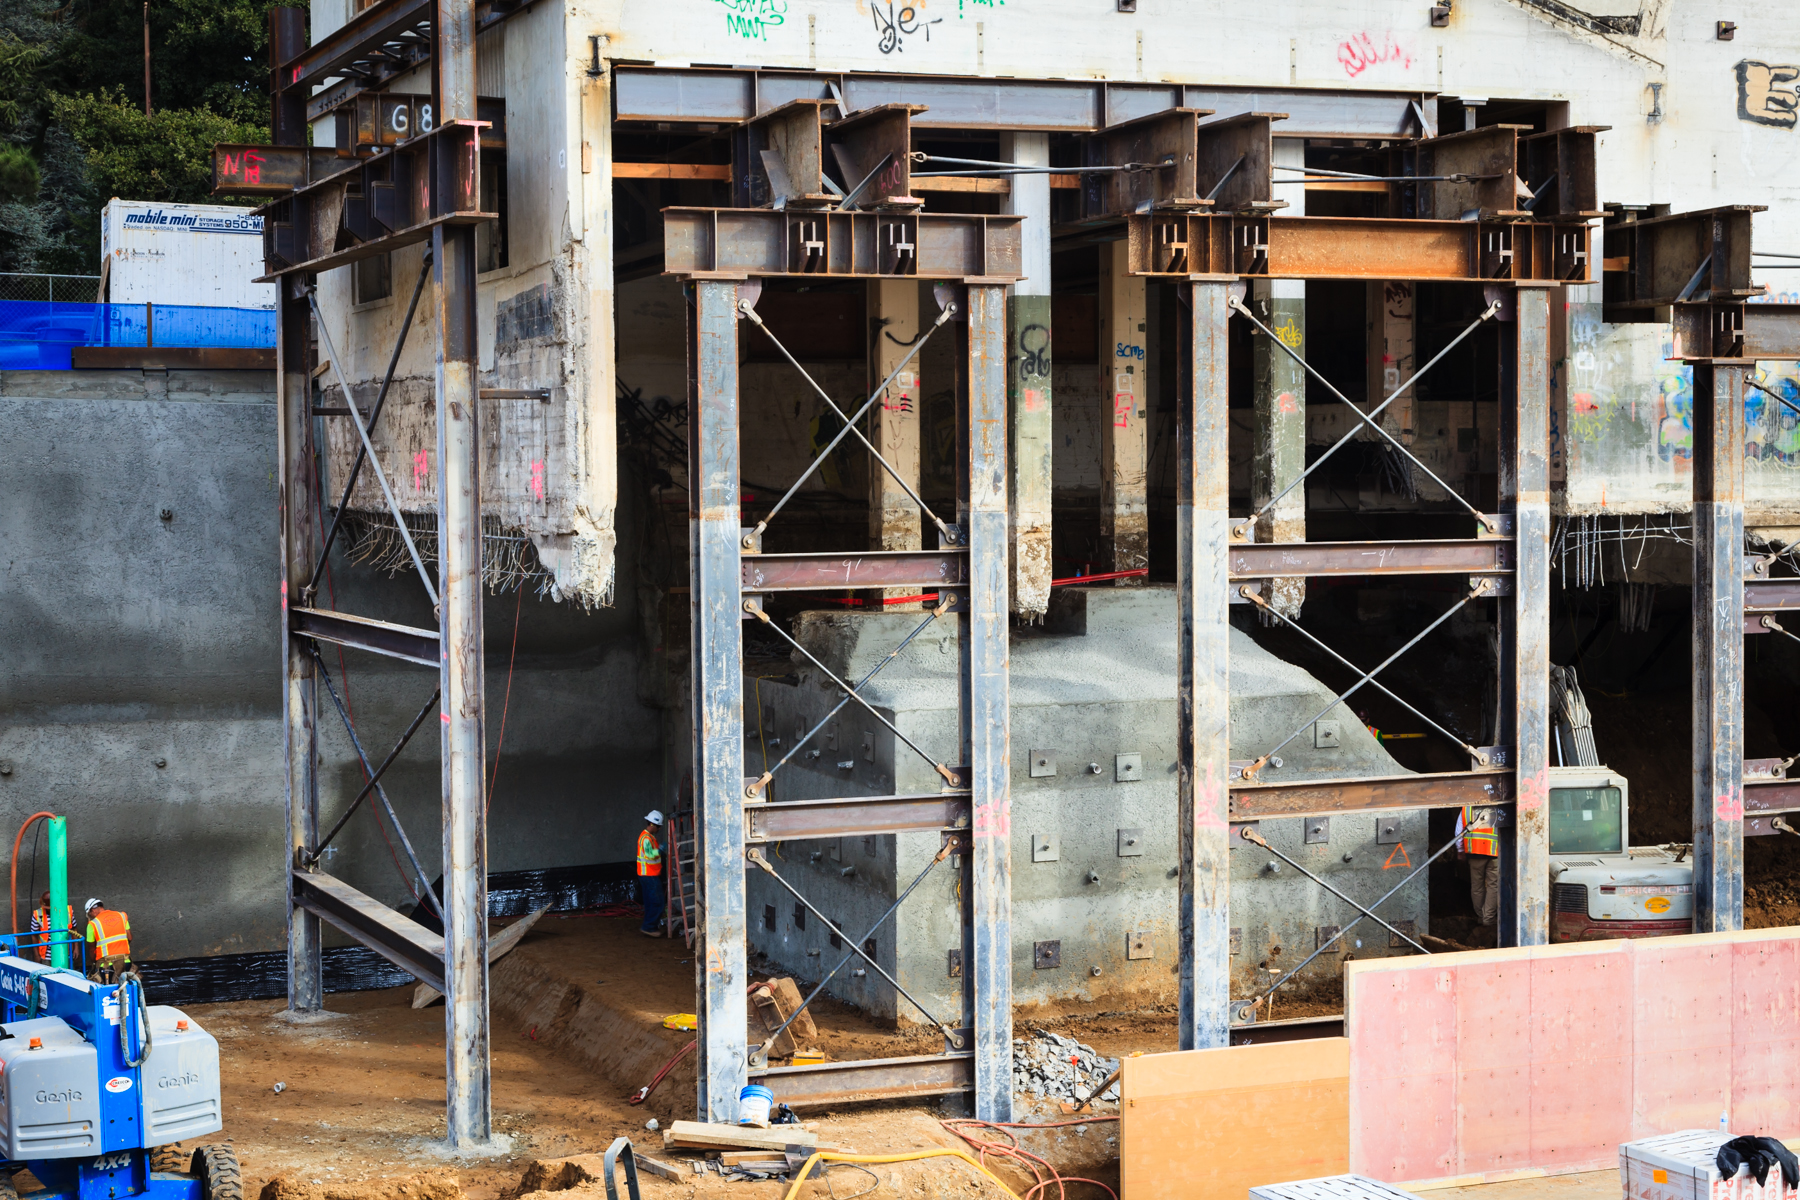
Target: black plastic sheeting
[(263, 976)]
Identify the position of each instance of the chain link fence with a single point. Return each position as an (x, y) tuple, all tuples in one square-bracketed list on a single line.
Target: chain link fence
[(48, 288)]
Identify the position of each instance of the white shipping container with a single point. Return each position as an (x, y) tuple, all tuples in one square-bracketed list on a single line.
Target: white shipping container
[(1679, 1166), (183, 254)]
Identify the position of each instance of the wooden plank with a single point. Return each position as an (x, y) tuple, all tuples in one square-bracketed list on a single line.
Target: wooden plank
[(962, 183), (703, 1135), (1493, 1034), (425, 995), (180, 358), (1065, 183), (1210, 1124), (1683, 1034), (1403, 1038), (1347, 185), (1765, 1031), (721, 172), (680, 1172), (1585, 1034)]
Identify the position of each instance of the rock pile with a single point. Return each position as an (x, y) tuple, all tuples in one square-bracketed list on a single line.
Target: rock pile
[(1049, 1066)]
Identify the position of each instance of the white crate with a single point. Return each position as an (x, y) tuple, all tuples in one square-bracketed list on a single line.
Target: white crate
[(1679, 1166)]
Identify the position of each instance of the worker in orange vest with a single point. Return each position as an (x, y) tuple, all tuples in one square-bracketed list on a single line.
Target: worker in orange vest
[(40, 923), (649, 869), (109, 941), (1479, 842)]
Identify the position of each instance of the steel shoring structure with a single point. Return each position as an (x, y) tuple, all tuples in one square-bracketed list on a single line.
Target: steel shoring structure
[(729, 577), (456, 960)]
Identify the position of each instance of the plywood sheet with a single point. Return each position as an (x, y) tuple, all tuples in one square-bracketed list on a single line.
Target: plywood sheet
[(1404, 1041), (1765, 1035), (1211, 1124), (1683, 1034), (1583, 1033)]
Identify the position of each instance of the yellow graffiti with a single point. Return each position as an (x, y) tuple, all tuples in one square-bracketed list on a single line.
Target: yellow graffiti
[(1289, 333)]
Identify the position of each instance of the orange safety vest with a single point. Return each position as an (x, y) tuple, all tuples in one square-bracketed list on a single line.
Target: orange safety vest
[(40, 923), (649, 854), (108, 932), (1477, 839)]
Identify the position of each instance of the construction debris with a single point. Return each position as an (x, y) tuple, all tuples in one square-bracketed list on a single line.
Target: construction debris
[(1049, 1066), (776, 1001)]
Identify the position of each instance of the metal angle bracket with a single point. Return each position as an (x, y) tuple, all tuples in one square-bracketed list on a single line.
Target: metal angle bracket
[(1494, 526), (1491, 757)]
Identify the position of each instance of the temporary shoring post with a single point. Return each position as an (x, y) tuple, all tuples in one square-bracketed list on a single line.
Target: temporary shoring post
[(718, 695), (1526, 921), (1202, 531), (464, 752), (986, 712), (1718, 647), (299, 544), (1028, 368)]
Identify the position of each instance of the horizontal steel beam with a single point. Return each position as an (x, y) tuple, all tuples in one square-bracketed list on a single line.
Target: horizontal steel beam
[(1772, 331), (1771, 796), (253, 170), (1698, 256), (1773, 596), (421, 646), (1321, 797), (1365, 248), (870, 1079), (179, 358), (736, 242), (1450, 556), (875, 569), (405, 943), (710, 95), (855, 816)]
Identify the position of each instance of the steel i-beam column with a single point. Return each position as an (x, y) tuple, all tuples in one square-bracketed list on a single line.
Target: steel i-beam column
[(1028, 377), (1278, 442), (299, 545), (1203, 668), (1124, 475), (462, 676), (714, 535), (1526, 922), (1718, 647), (895, 522), (990, 760)]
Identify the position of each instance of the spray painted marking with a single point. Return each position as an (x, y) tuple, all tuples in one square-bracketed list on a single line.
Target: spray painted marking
[(421, 469), (537, 479), (1398, 852)]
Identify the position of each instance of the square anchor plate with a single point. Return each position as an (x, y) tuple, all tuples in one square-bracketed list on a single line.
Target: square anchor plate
[(1046, 956)]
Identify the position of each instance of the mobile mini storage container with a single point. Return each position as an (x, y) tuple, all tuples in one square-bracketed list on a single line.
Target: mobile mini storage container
[(183, 254)]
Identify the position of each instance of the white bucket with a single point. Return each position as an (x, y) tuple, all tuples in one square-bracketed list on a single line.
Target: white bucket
[(753, 1105)]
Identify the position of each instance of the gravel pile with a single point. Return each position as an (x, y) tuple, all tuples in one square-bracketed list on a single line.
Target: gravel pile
[(1042, 1068)]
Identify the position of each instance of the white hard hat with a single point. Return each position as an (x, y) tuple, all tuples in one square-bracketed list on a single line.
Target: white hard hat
[(654, 816), (92, 903)]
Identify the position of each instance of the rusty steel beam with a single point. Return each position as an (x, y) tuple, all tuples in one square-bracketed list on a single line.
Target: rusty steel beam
[(1701, 256), (1767, 800), (1365, 248), (256, 170), (1773, 599), (403, 942), (734, 242), (1772, 331), (855, 816), (1321, 797), (364, 633), (1448, 556), (871, 1079), (874, 569)]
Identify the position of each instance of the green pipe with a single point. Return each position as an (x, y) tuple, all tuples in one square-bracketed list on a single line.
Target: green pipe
[(59, 887)]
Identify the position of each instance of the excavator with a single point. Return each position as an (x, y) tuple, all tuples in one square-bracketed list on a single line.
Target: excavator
[(1601, 886)]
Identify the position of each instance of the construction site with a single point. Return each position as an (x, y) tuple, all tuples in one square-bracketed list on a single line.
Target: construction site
[(1063, 598)]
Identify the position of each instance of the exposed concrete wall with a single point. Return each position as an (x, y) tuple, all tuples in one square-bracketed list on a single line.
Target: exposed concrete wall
[(1097, 683), (140, 686)]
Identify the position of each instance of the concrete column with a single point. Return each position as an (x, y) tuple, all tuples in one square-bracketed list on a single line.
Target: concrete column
[(1124, 499), (1278, 453), (1392, 355), (1028, 379), (894, 520), (1718, 647), (1203, 670), (714, 540)]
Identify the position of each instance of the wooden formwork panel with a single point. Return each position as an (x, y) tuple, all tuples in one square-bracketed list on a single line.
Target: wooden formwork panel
[(1211, 1124), (1543, 1060)]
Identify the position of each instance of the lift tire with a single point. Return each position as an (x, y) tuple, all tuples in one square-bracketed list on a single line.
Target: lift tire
[(217, 1169), (170, 1160)]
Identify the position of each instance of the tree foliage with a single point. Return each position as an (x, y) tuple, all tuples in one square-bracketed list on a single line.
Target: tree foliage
[(73, 133)]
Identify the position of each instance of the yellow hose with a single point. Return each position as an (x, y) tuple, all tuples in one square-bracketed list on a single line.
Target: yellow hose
[(826, 1156)]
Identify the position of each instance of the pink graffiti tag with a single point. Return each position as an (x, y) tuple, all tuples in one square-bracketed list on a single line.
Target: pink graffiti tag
[(421, 469), (1360, 51), (1123, 403), (537, 479)]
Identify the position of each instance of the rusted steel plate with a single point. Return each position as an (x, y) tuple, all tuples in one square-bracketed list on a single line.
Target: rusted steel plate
[(1449, 789), (876, 569), (1771, 595), (855, 245), (1771, 795), (855, 816), (1772, 331), (870, 1079), (1261, 560)]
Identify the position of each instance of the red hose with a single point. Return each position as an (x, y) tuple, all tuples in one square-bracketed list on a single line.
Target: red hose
[(18, 842)]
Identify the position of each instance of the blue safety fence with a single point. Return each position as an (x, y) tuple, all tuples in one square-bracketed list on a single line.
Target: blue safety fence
[(38, 335)]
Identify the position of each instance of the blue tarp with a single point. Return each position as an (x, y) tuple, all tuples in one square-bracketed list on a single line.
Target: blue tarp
[(38, 335)]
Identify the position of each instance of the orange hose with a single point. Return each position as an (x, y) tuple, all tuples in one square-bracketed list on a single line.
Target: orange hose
[(18, 842)]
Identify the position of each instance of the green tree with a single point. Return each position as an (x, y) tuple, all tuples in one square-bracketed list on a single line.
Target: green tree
[(165, 156)]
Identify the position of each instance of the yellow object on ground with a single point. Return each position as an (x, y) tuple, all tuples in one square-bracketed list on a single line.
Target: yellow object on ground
[(686, 1021), (910, 1156), (808, 1058)]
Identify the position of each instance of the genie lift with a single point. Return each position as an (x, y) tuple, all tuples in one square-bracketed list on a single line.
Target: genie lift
[(97, 1086)]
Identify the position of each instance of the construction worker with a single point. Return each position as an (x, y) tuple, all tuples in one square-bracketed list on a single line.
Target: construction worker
[(1479, 843), (40, 923), (109, 941), (649, 869)]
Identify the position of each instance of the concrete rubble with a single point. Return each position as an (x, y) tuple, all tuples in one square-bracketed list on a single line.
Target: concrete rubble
[(1048, 1066)]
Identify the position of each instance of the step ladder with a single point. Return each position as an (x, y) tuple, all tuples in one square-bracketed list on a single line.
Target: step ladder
[(682, 881)]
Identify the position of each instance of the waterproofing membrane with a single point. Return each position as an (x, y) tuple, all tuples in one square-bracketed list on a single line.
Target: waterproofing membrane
[(263, 976)]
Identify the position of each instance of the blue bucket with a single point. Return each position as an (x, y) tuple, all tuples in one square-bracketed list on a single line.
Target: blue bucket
[(753, 1105)]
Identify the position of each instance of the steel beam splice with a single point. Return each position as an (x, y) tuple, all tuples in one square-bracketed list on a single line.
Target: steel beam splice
[(1263, 560), (736, 242), (875, 569)]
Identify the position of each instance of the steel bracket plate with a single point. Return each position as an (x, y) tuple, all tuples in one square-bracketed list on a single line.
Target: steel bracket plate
[(1046, 956), (1140, 945), (1131, 843)]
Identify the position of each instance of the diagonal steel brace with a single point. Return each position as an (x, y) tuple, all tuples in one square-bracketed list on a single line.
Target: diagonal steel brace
[(1250, 835)]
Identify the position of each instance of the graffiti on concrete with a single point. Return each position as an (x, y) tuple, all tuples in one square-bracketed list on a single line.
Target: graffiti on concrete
[(1360, 51), (1766, 93)]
